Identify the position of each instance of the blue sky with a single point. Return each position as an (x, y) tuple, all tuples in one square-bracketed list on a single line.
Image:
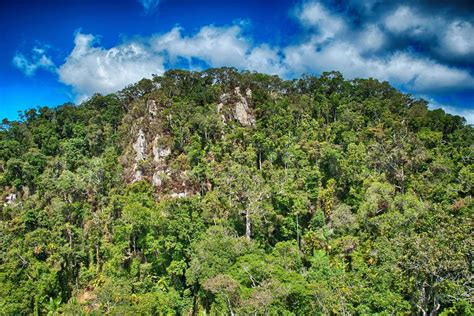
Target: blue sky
[(54, 51)]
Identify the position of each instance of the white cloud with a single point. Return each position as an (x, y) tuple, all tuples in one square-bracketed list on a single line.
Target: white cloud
[(334, 56), (90, 69), (452, 39), (425, 75), (265, 59), (411, 71), (315, 15), (370, 39), (218, 46), (458, 39), (405, 19), (350, 53), (37, 59)]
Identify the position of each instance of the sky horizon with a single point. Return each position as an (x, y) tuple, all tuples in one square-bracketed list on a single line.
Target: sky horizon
[(54, 52)]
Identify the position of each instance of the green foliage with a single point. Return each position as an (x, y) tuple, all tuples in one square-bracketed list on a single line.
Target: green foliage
[(344, 197)]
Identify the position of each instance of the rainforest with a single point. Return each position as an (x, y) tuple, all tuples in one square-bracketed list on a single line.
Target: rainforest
[(227, 192)]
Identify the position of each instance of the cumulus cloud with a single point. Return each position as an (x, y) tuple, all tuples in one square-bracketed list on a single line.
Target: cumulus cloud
[(90, 68), (458, 40), (37, 59), (370, 39), (266, 59), (417, 74), (314, 15), (218, 46), (448, 38), (404, 68), (405, 19), (425, 75)]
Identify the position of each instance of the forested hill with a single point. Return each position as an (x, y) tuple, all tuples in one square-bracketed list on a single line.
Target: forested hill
[(224, 192)]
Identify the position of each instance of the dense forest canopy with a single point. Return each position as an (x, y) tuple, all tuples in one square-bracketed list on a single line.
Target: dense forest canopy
[(225, 192)]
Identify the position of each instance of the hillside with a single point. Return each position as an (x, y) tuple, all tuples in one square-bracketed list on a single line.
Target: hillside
[(226, 192)]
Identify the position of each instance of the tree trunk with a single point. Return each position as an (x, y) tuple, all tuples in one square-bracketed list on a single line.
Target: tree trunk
[(247, 224), (230, 308), (97, 257), (298, 233)]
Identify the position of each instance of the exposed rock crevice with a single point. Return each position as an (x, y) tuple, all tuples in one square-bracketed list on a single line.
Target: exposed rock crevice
[(150, 156), (140, 146), (240, 108), (160, 151), (140, 154), (152, 108)]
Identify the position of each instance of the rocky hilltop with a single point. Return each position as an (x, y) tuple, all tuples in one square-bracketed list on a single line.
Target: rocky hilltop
[(151, 152)]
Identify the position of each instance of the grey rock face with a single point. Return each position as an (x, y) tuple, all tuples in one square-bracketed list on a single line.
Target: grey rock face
[(178, 195), (140, 146), (140, 153), (160, 151), (10, 199), (219, 110), (248, 93), (152, 108), (242, 110), (138, 174), (156, 180)]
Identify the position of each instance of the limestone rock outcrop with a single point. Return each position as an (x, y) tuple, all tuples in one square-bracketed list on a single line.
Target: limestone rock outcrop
[(139, 147), (152, 108), (239, 106), (160, 151)]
